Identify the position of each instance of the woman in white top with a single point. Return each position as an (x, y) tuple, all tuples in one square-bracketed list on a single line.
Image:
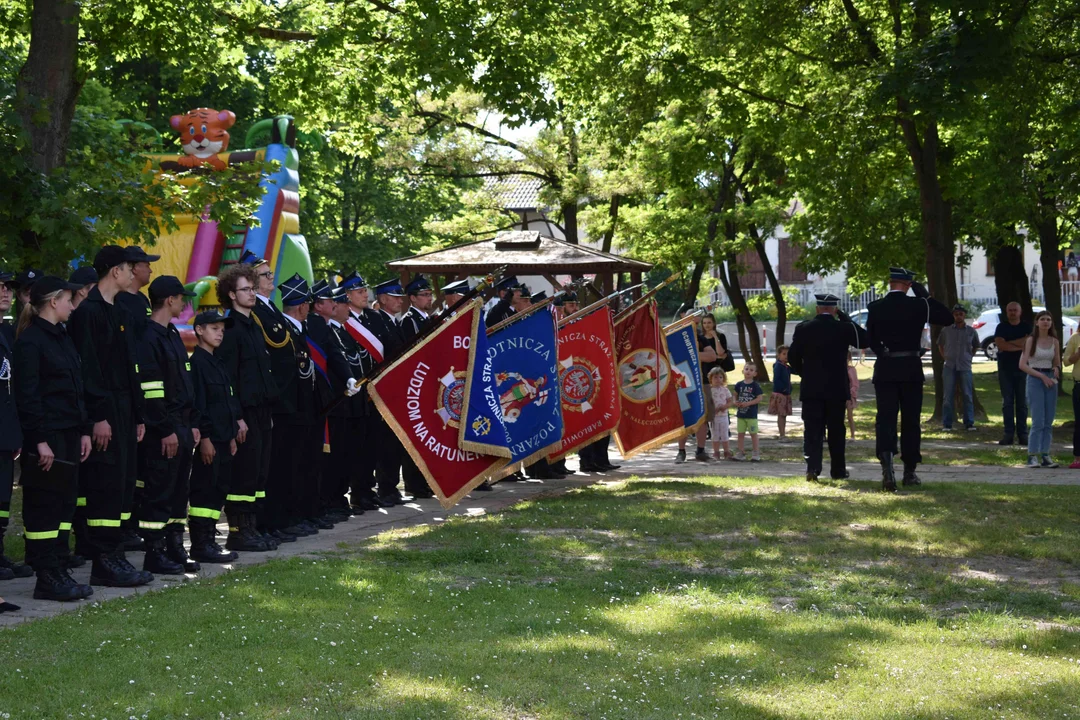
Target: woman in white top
[(1041, 360)]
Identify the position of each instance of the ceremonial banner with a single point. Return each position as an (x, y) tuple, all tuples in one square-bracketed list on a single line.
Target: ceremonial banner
[(518, 380), (420, 396), (587, 387), (650, 402), (682, 348)]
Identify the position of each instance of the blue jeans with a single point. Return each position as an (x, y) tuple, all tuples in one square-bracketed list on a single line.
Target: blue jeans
[(1043, 403), (1013, 383), (951, 377)]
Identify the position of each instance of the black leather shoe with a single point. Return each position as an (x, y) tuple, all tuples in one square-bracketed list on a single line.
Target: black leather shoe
[(6, 574), (608, 467), (423, 494), (845, 476), (888, 476), (590, 467), (18, 570), (811, 476), (388, 501), (297, 531), (56, 584), (367, 502), (111, 571), (1007, 440), (910, 478), (157, 560), (281, 536), (483, 487)]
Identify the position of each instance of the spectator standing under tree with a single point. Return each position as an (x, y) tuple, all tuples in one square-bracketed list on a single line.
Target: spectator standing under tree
[(780, 400), (1041, 360), (1072, 266), (1010, 337), (712, 352), (1071, 356), (958, 344)]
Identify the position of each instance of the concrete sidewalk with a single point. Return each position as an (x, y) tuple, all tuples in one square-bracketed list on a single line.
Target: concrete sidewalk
[(657, 464)]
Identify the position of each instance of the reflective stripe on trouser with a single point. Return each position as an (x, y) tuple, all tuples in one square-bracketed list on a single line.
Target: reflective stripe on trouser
[(107, 481), (158, 474), (49, 502), (210, 483)]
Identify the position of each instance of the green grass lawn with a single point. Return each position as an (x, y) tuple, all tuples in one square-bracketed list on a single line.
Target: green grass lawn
[(716, 598)]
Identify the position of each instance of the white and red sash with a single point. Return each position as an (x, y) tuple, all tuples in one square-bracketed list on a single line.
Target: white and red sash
[(365, 337)]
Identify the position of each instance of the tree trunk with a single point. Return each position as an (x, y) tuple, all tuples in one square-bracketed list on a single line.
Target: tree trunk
[(49, 82), (1010, 278), (569, 221), (774, 284), (741, 307), (613, 216), (694, 286)]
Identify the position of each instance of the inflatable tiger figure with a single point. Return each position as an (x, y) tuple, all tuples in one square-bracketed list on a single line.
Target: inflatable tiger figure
[(203, 134)]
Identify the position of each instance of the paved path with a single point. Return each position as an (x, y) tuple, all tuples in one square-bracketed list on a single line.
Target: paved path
[(657, 464)]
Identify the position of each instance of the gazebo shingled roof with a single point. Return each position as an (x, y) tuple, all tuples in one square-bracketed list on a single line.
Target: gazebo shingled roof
[(524, 252)]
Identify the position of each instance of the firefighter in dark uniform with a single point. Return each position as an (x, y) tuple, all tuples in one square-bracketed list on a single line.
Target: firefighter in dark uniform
[(508, 288), (818, 353), (102, 333), (48, 386), (454, 291), (294, 419), (362, 415), (219, 414), (10, 434), (352, 470), (168, 444), (388, 449), (326, 339), (421, 298), (895, 327), (245, 356)]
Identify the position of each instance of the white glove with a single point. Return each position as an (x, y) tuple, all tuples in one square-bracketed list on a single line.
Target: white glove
[(352, 387)]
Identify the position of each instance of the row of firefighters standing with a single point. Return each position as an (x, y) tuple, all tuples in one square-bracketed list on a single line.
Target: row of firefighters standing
[(123, 439)]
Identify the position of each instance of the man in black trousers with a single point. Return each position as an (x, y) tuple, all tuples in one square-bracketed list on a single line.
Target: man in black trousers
[(895, 326), (818, 353)]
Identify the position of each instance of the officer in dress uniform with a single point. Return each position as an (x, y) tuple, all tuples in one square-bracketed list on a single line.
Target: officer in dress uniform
[(362, 414), (454, 291), (171, 428), (507, 289), (421, 298), (895, 326), (818, 354), (10, 433), (389, 452)]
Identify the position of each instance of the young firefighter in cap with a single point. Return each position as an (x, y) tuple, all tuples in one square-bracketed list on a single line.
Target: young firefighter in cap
[(421, 298), (326, 340), (818, 353), (219, 414), (55, 433), (388, 450), (895, 326), (22, 283), (361, 412), (245, 356), (10, 434), (292, 461), (171, 431), (85, 278), (103, 335)]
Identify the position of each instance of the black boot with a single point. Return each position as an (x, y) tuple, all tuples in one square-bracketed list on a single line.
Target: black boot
[(56, 584), (888, 476), (74, 561), (910, 478), (18, 570), (130, 540), (203, 547), (157, 559), (243, 536), (174, 548), (113, 570)]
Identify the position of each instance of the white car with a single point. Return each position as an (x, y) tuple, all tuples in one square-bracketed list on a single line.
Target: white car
[(986, 324)]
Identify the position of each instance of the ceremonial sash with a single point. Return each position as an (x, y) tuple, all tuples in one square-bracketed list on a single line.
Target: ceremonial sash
[(420, 396), (365, 337), (650, 402), (682, 347), (318, 358), (587, 387)]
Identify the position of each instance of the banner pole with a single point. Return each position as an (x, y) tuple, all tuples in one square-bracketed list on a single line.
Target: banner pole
[(522, 315), (648, 296), (596, 305)]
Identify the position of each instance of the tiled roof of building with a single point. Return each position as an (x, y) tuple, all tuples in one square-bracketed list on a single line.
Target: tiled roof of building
[(515, 192)]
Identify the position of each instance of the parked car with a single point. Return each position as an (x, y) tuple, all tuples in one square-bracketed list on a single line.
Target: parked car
[(986, 324)]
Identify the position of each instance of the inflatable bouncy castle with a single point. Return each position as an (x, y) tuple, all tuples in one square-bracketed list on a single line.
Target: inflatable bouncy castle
[(198, 250)]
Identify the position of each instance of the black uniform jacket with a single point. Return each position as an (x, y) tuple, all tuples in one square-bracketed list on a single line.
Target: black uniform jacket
[(411, 323), (386, 328), (10, 432), (216, 404), (138, 306), (360, 361), (104, 337), (338, 370), (244, 353), (282, 349), (48, 382), (895, 324), (303, 401), (818, 353), (500, 312), (165, 377)]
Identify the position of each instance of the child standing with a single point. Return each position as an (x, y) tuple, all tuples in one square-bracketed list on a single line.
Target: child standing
[(853, 389), (722, 400), (780, 401), (747, 397)]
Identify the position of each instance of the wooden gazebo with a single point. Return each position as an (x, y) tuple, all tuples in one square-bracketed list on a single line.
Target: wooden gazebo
[(523, 252)]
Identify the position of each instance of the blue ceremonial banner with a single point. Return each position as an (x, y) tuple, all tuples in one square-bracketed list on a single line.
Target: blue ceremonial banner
[(683, 349), (512, 392)]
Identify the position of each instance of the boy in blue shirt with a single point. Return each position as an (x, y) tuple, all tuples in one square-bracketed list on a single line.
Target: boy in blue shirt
[(748, 396), (780, 401)]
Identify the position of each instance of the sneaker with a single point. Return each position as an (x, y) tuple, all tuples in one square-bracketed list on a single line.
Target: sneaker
[(971, 428), (1033, 461), (1047, 462), (755, 458), (1075, 465), (739, 457), (701, 455), (947, 428), (680, 457)]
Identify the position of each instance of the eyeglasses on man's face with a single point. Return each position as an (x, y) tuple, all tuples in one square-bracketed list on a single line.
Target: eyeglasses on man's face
[(266, 274), (246, 289)]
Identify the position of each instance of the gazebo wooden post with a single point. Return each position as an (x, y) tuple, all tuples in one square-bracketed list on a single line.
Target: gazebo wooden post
[(635, 279)]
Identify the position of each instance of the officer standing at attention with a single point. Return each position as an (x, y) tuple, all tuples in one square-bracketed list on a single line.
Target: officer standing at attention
[(55, 435), (508, 288), (244, 354), (895, 327), (389, 452), (102, 333), (818, 353), (10, 434), (219, 413), (165, 460), (454, 291), (361, 413), (421, 298), (353, 470)]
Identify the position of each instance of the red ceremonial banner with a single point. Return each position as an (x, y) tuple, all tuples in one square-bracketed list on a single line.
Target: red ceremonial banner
[(651, 415), (587, 386), (420, 396)]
